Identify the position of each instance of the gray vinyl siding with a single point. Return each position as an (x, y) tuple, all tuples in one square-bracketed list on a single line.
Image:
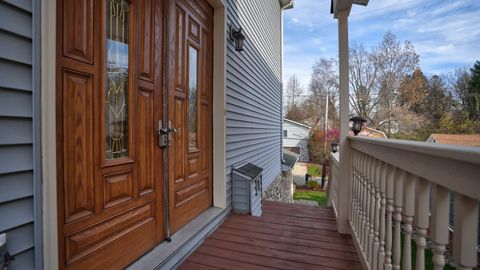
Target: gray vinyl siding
[(254, 89), (20, 202)]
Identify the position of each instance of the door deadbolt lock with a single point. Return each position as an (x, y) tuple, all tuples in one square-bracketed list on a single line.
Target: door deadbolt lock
[(162, 135), (164, 138)]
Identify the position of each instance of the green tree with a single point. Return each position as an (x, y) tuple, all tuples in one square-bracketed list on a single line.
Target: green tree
[(473, 93), (439, 101)]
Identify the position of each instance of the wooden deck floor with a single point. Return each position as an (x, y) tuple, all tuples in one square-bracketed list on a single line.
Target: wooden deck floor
[(287, 236)]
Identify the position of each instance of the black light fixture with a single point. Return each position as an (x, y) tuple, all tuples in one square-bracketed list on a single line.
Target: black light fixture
[(237, 36), (357, 124), (334, 146)]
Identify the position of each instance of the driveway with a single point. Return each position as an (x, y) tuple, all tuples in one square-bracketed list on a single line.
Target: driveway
[(298, 172)]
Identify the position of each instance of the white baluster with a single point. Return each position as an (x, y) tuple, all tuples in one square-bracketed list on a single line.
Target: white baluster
[(465, 232), (354, 190), (383, 202), (376, 227), (371, 231), (389, 230), (363, 219), (397, 217), (408, 212), (367, 209), (358, 196), (421, 218), (439, 230)]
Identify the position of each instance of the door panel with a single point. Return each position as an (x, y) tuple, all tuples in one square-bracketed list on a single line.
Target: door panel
[(109, 101), (78, 25), (190, 109), (78, 120)]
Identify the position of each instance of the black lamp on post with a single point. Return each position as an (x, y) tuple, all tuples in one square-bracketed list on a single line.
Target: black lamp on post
[(237, 36), (334, 146), (357, 124)]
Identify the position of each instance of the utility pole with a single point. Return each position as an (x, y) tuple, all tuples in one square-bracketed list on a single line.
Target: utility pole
[(325, 129)]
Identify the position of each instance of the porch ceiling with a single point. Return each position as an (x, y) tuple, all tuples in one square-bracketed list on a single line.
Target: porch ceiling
[(339, 5)]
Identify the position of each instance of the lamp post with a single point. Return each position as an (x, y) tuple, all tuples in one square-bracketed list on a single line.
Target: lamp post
[(325, 128), (357, 124), (334, 146)]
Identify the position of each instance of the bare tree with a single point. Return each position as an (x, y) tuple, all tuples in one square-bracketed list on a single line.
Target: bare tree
[(363, 82), (294, 95), (393, 61), (457, 83), (324, 80), (293, 91)]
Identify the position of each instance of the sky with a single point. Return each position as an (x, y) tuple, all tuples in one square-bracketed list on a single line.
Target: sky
[(445, 33)]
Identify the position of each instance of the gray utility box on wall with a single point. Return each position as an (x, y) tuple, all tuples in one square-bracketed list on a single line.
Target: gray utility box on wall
[(247, 189)]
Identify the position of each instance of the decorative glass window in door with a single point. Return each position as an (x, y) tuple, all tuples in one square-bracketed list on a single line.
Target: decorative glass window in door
[(116, 99), (192, 98)]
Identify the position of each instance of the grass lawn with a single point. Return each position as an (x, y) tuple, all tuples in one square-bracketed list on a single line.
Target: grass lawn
[(312, 195), (428, 256), (314, 170)]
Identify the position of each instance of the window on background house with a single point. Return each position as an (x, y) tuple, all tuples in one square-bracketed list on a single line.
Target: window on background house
[(285, 133)]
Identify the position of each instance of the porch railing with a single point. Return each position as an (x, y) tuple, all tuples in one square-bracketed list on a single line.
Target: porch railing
[(333, 173), (399, 191)]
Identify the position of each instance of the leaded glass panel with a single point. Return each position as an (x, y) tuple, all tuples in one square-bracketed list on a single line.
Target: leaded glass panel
[(117, 79)]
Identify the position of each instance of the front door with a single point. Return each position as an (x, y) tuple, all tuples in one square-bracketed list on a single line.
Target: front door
[(190, 31), (109, 103)]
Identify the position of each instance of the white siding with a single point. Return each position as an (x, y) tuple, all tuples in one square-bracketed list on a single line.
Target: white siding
[(297, 136), (254, 89)]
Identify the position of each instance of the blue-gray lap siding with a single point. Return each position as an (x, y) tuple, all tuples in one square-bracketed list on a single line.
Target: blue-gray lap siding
[(254, 89), (19, 176)]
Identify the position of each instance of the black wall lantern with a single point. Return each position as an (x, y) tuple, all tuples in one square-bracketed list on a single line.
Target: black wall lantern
[(237, 36), (357, 124), (334, 146)]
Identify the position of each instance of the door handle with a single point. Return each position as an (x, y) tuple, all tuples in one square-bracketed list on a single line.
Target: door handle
[(163, 133)]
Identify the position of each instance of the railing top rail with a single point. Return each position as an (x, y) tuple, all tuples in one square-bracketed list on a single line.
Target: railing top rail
[(454, 167), (457, 152)]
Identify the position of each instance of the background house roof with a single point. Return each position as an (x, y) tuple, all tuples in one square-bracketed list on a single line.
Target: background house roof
[(459, 139), (296, 123)]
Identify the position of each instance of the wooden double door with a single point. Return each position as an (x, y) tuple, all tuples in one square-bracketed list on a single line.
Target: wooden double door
[(126, 69)]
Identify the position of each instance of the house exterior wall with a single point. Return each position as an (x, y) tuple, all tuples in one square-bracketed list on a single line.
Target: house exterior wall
[(253, 112), (20, 202), (297, 136), (254, 89)]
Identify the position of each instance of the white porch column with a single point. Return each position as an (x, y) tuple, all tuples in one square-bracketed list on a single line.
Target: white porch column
[(345, 176)]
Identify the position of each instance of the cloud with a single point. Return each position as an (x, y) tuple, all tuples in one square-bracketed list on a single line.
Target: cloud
[(444, 33)]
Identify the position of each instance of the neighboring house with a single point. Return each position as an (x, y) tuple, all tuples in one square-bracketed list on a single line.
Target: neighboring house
[(457, 139), (120, 122), (295, 138)]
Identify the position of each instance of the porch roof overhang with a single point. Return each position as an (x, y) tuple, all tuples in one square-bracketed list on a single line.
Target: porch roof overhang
[(339, 5), (286, 4)]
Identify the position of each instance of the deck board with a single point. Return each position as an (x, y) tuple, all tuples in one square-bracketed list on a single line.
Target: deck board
[(286, 236)]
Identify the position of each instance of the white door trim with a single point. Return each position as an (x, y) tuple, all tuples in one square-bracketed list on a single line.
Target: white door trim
[(48, 127), (219, 103)]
